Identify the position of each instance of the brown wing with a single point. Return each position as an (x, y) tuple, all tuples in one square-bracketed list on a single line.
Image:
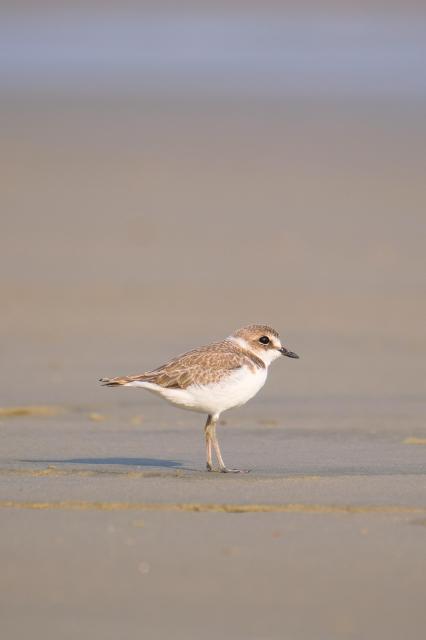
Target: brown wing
[(201, 366)]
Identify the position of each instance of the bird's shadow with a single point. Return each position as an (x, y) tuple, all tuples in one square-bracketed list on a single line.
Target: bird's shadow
[(324, 471), (158, 463)]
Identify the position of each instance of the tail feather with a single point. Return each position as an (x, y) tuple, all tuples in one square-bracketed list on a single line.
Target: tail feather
[(114, 382)]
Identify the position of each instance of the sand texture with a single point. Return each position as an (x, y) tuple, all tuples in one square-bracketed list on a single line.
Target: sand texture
[(136, 228)]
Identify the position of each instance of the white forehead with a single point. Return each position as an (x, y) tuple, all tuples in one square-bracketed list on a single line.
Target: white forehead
[(275, 341)]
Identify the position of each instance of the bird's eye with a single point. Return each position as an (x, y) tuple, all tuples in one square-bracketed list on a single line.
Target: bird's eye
[(264, 340)]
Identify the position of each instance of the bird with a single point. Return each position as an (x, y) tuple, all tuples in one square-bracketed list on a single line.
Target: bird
[(214, 378)]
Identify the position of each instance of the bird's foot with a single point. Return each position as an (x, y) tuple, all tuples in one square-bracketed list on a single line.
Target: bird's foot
[(210, 467)]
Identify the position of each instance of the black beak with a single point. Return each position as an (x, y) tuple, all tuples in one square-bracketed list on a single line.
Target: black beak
[(289, 354)]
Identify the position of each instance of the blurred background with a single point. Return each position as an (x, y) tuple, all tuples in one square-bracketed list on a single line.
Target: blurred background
[(172, 171)]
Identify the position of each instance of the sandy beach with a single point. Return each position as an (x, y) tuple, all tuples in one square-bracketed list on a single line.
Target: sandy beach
[(135, 227), (109, 523)]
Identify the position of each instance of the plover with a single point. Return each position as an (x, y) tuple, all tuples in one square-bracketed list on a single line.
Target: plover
[(214, 378)]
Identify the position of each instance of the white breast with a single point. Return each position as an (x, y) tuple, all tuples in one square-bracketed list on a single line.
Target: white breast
[(233, 391)]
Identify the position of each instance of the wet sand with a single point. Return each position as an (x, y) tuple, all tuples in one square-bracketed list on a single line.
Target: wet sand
[(135, 230), (107, 525)]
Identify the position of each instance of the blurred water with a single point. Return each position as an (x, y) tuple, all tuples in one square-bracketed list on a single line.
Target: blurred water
[(257, 52)]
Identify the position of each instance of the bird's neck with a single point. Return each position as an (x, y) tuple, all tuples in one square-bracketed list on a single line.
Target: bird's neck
[(265, 356)]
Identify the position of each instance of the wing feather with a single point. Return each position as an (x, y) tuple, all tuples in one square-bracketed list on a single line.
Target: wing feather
[(198, 367)]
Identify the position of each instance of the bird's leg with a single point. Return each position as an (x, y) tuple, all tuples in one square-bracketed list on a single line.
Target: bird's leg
[(223, 468), (217, 448), (208, 433)]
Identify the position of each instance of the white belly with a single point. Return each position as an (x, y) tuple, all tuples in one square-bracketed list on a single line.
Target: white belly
[(233, 391)]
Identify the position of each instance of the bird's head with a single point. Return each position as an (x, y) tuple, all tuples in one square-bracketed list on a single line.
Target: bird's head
[(263, 341)]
